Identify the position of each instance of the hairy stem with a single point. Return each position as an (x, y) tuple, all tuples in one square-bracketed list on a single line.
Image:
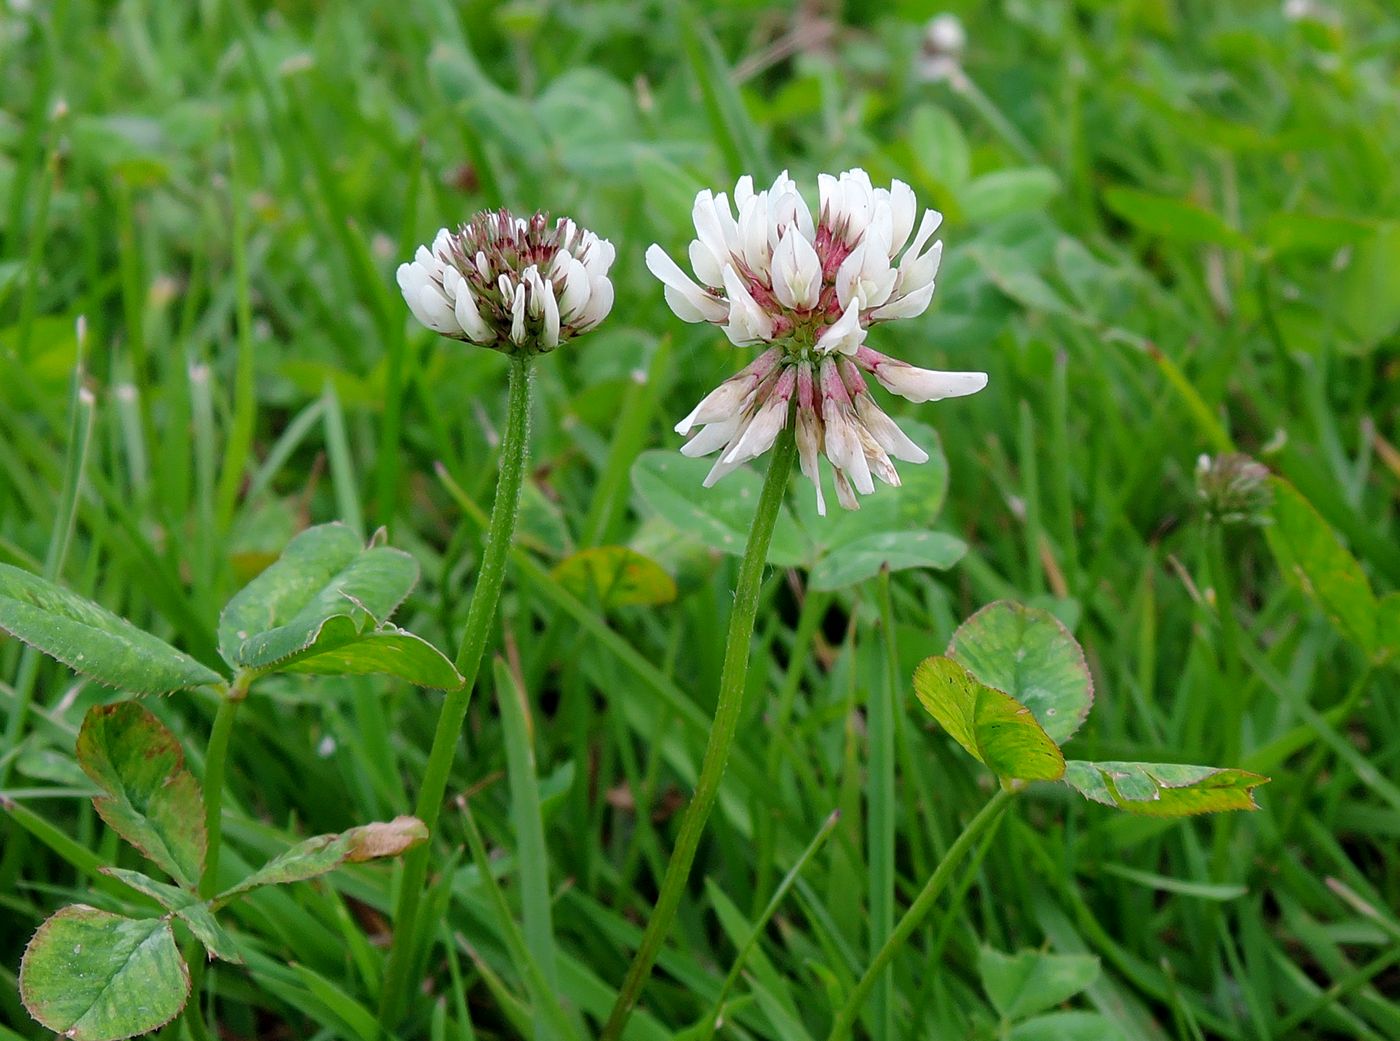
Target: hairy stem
[(480, 618)]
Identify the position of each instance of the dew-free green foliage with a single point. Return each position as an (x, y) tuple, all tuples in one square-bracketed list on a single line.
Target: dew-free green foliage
[(1029, 654), (95, 976), (1164, 789), (224, 190), (992, 726), (92, 640), (1020, 985), (323, 607), (150, 798), (615, 576)]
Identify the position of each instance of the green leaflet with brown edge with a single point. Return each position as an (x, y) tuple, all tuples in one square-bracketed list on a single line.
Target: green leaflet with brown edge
[(151, 799)]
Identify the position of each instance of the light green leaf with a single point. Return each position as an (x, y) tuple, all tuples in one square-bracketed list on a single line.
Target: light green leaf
[(671, 485), (1313, 558), (1068, 1026), (92, 640), (1006, 192), (898, 550), (1022, 984), (1164, 789), (1029, 654), (1173, 219), (152, 800), (615, 576), (92, 975), (193, 911), (323, 853), (994, 728)]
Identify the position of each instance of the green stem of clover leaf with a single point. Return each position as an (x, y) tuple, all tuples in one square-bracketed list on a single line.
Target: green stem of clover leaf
[(480, 619), (943, 874), (726, 721)]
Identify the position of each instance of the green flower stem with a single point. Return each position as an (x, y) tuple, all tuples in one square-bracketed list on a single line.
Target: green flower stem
[(918, 910), (731, 700), (480, 618), (215, 765)]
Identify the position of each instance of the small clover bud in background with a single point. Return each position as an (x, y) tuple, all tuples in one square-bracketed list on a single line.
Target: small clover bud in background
[(514, 284), (1233, 489), (809, 289), (940, 57)]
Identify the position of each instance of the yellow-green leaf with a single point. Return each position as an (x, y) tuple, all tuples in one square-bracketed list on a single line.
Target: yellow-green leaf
[(615, 576), (1164, 789), (994, 727)]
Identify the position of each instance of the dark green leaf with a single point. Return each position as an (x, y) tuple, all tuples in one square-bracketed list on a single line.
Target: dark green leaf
[(152, 800), (898, 550), (1164, 789), (1029, 654), (720, 517), (994, 728), (1369, 285), (91, 640), (95, 976), (1022, 984)]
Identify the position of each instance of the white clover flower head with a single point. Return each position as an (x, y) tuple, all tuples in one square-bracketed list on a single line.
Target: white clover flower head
[(515, 284), (809, 289)]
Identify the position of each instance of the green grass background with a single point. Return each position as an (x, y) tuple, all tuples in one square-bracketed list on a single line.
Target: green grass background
[(1172, 227)]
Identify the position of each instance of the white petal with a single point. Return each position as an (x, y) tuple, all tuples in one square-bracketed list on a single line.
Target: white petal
[(549, 336), (600, 301), (748, 323), (844, 335), (809, 437), (712, 436), (469, 317), (910, 305), (797, 272), (731, 396), (689, 301), (904, 207), (920, 385), (517, 315), (886, 432), (574, 279)]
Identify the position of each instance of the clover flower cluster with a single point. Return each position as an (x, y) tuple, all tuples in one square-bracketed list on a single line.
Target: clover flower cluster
[(514, 284), (769, 273)]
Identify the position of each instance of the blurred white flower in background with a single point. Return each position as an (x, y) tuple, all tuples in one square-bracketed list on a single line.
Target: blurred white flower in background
[(810, 289), (941, 56), (516, 284)]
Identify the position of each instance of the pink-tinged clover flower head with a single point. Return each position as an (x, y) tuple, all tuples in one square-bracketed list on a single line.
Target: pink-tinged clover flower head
[(514, 284), (808, 289)]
